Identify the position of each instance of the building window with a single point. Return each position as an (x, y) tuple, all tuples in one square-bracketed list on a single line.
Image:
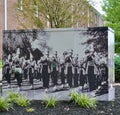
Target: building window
[(20, 5)]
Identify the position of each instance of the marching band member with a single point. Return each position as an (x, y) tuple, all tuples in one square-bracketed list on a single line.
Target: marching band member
[(62, 72), (39, 66), (31, 74), (7, 73), (82, 75), (54, 72), (91, 70), (76, 70), (45, 70), (18, 75), (25, 68), (69, 68)]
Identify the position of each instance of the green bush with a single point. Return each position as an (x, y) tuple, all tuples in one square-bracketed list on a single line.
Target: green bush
[(50, 101), (4, 104), (22, 100), (13, 96), (83, 100), (73, 96), (117, 68), (0, 64), (18, 99)]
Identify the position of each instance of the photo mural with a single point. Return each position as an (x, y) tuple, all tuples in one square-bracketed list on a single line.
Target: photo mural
[(56, 61)]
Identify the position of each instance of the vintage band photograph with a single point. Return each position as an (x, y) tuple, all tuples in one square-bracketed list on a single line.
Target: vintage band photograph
[(55, 61)]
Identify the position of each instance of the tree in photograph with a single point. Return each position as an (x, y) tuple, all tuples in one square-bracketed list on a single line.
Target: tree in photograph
[(112, 17), (55, 13), (98, 38), (25, 40)]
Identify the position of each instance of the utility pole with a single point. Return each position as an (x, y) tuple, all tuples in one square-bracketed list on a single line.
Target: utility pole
[(5, 14)]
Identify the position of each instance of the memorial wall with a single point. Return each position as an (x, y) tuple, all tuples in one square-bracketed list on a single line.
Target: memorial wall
[(55, 61)]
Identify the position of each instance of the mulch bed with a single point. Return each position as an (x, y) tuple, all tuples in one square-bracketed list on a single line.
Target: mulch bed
[(68, 108)]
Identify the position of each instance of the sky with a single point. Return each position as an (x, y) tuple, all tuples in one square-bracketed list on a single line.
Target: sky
[(98, 4)]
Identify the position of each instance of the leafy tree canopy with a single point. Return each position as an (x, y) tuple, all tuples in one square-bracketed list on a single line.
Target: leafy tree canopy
[(112, 17), (58, 13)]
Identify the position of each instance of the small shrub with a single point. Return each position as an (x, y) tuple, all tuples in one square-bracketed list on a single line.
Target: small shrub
[(29, 110), (73, 96), (4, 104), (13, 97), (22, 100), (93, 103), (83, 100), (18, 99), (50, 101)]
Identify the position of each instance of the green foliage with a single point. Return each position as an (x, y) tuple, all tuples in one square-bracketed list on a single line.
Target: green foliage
[(18, 99), (112, 18), (83, 100), (0, 63), (22, 100), (13, 97), (4, 104), (73, 96), (50, 101), (59, 13), (29, 110), (117, 68)]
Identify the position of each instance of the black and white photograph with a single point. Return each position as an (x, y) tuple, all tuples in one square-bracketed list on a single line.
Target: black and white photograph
[(56, 61)]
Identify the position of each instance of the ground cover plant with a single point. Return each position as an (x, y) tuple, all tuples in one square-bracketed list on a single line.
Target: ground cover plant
[(12, 100), (21, 100), (50, 101), (4, 104), (13, 97), (68, 108), (73, 96), (18, 99), (30, 109), (83, 100)]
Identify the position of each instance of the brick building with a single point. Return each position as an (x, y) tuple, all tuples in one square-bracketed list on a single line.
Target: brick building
[(11, 19), (1, 24), (12, 22)]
